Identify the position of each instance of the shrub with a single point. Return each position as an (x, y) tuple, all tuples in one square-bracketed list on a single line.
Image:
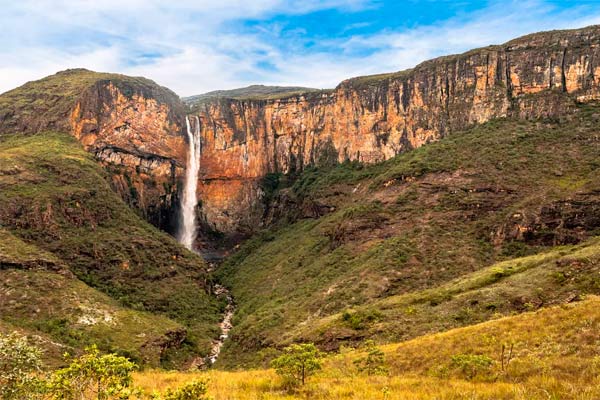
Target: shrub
[(194, 390), (19, 364), (361, 319), (374, 362), (297, 363), (471, 365), (93, 376)]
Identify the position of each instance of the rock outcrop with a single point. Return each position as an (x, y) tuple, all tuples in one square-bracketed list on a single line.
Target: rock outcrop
[(374, 118), (132, 125), (138, 131)]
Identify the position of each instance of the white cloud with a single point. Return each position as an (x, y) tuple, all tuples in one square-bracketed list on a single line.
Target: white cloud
[(191, 47)]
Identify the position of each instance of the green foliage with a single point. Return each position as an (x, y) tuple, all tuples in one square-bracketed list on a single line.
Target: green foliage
[(374, 362), (59, 213), (94, 376), (314, 180), (269, 184), (19, 365), (298, 362), (194, 390), (470, 366), (252, 92), (361, 319)]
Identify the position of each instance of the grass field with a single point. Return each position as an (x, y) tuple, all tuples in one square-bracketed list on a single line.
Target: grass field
[(556, 356)]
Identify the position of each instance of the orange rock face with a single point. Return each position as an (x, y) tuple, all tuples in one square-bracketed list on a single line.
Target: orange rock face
[(138, 138), (135, 127), (371, 119), (131, 124), (105, 117)]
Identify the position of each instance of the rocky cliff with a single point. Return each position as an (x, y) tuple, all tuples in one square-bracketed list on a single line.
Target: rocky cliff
[(374, 118), (132, 125)]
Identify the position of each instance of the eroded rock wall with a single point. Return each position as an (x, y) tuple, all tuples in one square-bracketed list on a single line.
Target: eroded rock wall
[(131, 124), (136, 134), (371, 119)]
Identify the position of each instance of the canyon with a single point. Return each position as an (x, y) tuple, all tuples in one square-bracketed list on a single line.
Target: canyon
[(493, 152)]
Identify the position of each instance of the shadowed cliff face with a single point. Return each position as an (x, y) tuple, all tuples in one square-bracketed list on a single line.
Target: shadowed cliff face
[(374, 118)]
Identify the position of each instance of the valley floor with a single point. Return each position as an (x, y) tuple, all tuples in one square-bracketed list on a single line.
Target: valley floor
[(556, 356)]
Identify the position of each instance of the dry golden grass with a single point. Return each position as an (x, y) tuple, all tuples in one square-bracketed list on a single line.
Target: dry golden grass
[(555, 357), (265, 385)]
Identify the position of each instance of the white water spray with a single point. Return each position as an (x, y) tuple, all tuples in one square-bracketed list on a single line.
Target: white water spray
[(187, 231)]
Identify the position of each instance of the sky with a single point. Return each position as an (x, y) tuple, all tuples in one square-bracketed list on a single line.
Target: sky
[(194, 46)]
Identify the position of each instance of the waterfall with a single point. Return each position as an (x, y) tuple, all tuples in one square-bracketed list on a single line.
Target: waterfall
[(187, 230)]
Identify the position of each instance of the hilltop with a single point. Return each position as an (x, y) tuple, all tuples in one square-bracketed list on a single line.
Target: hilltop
[(252, 92)]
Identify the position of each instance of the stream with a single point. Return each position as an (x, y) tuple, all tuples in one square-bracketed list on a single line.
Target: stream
[(225, 324)]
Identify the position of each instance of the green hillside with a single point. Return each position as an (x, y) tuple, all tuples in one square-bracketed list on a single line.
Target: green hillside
[(424, 242), (253, 92), (64, 232)]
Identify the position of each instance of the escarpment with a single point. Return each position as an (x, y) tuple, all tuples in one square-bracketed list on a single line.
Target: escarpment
[(134, 127), (374, 118)]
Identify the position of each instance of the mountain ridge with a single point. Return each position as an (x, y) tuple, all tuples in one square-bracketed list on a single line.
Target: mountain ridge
[(251, 92)]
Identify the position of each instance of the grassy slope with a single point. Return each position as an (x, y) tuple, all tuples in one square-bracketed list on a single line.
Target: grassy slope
[(41, 298), (58, 207), (253, 92), (554, 356), (560, 275), (414, 224)]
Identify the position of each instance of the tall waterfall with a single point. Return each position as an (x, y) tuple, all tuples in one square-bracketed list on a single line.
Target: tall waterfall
[(187, 230)]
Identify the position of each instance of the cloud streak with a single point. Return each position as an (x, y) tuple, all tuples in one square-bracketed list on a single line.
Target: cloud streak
[(197, 46)]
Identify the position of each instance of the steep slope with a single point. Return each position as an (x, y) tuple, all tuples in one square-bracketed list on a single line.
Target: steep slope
[(42, 299), (130, 124), (59, 216), (554, 355), (360, 236), (374, 118)]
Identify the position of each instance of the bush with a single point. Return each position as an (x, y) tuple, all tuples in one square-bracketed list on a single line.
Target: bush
[(358, 320), (93, 376), (298, 362), (19, 364), (374, 362), (194, 390), (471, 365)]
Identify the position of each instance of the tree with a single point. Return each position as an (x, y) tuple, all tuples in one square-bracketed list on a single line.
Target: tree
[(374, 362), (93, 376), (297, 362), (194, 390), (20, 364)]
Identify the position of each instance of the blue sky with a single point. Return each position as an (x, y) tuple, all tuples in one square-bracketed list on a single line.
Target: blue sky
[(197, 46)]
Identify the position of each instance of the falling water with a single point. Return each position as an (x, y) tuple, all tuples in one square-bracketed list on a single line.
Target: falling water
[(187, 232)]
